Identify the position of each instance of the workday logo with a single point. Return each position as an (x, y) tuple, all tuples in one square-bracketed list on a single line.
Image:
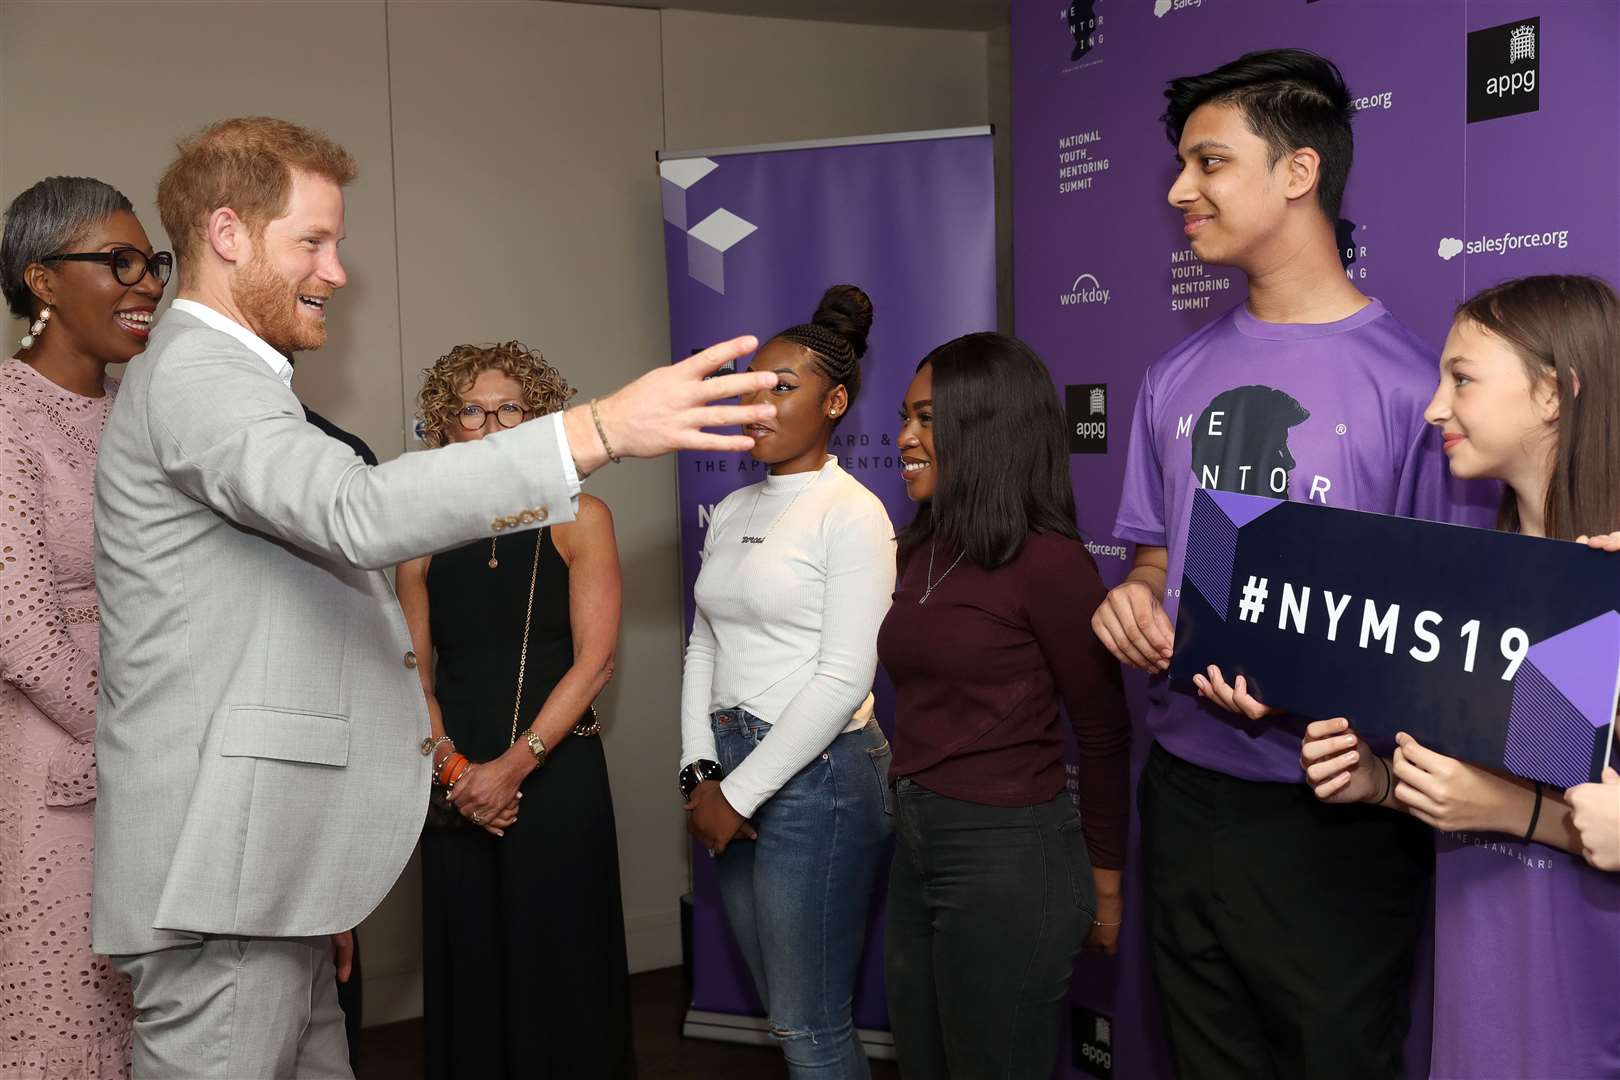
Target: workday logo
[(1504, 69), (1085, 290)]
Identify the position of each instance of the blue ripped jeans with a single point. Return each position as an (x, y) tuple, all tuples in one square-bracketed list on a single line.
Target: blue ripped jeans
[(797, 898)]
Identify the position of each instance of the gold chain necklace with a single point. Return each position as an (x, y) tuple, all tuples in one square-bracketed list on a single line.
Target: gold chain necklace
[(528, 617)]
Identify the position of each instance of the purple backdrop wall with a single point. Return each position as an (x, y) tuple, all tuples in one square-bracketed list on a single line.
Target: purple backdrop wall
[(751, 241), (1438, 207)]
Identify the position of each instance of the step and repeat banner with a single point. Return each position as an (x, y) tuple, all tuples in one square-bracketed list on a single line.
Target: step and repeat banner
[(752, 240), (1486, 148)]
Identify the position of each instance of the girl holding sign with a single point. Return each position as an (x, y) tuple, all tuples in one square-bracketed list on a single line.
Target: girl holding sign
[(1529, 394)]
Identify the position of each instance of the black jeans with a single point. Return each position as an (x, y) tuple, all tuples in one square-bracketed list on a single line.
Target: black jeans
[(1283, 929), (987, 907)]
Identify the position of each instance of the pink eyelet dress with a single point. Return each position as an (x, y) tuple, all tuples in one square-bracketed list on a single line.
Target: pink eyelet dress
[(65, 1014)]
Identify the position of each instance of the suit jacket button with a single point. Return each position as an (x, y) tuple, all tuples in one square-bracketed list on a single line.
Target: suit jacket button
[(498, 524), (410, 659), (527, 517), (540, 513)]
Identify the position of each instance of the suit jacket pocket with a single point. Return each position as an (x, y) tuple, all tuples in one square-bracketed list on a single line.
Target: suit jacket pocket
[(286, 735)]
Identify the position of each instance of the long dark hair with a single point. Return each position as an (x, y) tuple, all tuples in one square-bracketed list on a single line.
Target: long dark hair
[(1566, 327), (1000, 453)]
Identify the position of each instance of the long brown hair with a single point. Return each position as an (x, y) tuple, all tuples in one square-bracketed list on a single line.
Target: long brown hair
[(1567, 327)]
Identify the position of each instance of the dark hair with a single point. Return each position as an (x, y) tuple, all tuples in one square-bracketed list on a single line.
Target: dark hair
[(836, 337), (1000, 451), (1567, 327), (45, 220), (1288, 97)]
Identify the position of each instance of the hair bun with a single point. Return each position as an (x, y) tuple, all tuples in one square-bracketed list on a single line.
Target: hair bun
[(847, 312)]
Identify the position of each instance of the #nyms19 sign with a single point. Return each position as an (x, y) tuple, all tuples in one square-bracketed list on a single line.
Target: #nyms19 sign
[(1498, 649)]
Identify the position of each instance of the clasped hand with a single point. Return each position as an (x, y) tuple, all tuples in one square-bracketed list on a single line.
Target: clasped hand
[(711, 818), (487, 794)]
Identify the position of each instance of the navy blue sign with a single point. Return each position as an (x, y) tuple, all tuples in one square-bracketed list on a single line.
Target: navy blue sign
[(1498, 649)]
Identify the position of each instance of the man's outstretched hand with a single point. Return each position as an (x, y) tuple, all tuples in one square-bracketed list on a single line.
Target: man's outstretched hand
[(668, 409)]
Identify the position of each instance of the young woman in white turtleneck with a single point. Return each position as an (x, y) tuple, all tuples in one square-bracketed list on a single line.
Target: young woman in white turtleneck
[(797, 574)]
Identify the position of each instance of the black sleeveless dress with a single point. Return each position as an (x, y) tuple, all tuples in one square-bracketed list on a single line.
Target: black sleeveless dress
[(524, 967)]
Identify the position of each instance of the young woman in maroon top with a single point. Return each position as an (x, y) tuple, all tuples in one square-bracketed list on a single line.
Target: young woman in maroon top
[(997, 882)]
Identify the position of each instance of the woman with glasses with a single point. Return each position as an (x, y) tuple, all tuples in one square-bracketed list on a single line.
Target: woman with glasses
[(78, 270), (525, 971)]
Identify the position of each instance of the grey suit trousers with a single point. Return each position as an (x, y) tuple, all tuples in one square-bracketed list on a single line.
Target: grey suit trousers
[(238, 1008)]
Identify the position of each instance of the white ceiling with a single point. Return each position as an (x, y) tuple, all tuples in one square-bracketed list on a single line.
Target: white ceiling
[(939, 14)]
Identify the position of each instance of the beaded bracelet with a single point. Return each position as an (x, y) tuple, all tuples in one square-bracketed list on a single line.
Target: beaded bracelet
[(601, 433)]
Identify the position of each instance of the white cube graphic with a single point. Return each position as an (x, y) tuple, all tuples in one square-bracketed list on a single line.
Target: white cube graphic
[(675, 180), (707, 244)]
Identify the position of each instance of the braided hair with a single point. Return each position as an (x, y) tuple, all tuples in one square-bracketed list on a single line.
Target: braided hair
[(836, 337)]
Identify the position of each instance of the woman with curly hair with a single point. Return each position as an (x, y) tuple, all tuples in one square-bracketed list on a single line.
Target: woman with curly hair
[(524, 970)]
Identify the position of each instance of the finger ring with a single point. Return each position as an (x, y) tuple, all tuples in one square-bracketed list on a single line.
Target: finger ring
[(478, 819)]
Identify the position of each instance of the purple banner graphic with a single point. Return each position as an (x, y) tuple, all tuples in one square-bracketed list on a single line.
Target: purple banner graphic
[(1485, 150), (752, 239)]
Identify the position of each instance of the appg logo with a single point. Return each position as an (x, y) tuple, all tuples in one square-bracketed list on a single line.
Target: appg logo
[(1087, 408), (1504, 70)]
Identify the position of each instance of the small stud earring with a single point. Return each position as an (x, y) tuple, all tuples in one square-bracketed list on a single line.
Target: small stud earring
[(36, 330)]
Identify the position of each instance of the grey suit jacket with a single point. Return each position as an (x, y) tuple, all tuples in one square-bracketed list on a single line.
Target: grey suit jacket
[(259, 718)]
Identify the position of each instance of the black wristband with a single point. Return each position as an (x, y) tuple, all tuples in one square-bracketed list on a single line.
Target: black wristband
[(1535, 815), (699, 772), (1389, 782)]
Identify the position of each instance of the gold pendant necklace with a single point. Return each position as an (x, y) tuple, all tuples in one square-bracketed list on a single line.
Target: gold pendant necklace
[(493, 561)]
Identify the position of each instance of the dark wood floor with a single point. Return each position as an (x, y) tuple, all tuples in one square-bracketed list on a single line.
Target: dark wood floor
[(658, 1002)]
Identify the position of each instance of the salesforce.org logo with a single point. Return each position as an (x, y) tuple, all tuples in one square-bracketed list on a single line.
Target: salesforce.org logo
[(1451, 246), (1161, 8), (1085, 290)]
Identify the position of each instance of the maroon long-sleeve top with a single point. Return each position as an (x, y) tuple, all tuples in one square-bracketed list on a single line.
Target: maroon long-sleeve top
[(980, 671)]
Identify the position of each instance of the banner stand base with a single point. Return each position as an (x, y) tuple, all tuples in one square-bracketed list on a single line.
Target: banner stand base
[(755, 1031)]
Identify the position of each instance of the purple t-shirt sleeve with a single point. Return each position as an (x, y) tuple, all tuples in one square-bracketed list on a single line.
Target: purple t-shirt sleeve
[(1141, 499)]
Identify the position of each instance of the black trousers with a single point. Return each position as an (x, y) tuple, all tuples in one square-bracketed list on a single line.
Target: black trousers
[(1283, 930), (524, 967), (987, 907)]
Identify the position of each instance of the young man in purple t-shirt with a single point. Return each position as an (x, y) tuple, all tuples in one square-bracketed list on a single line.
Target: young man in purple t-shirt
[(1310, 391)]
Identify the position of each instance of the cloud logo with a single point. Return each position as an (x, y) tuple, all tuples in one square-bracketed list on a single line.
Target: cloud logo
[(1450, 247), (1161, 8)]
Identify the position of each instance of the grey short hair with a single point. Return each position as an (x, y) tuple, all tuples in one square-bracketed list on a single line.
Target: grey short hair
[(43, 221)]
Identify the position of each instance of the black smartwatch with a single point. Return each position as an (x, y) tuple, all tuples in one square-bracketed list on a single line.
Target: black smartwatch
[(698, 772)]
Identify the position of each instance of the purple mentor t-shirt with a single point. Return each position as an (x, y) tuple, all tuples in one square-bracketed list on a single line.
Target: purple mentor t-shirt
[(1526, 962), (1330, 413)]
